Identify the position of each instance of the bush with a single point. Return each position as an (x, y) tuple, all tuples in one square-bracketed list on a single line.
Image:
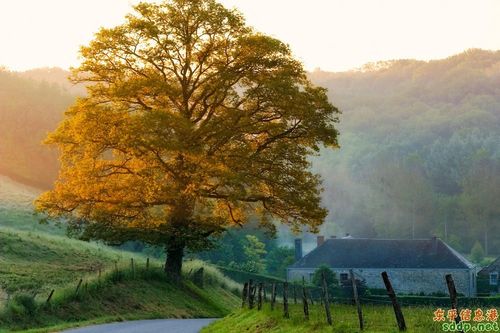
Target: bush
[(477, 252), (242, 277), (331, 278), (21, 307)]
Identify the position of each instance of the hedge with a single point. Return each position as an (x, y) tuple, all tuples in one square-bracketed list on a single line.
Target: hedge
[(242, 277)]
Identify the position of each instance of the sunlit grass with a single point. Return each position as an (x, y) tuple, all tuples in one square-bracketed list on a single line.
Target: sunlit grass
[(378, 319), (126, 293)]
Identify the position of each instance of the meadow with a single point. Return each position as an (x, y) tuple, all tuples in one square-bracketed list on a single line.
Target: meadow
[(377, 318)]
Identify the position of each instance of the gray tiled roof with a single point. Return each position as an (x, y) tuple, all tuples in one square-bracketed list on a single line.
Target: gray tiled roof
[(493, 267), (383, 253)]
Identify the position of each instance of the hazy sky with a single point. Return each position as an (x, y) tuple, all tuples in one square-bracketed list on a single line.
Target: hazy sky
[(330, 34)]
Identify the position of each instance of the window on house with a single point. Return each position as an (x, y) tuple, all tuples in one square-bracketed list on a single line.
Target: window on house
[(344, 277), (494, 279)]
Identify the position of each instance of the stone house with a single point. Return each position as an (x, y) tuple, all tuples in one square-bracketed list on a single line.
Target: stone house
[(413, 266), (490, 275)]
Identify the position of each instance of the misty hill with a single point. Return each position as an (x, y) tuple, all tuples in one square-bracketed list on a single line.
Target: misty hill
[(54, 75), (420, 149), (29, 109), (420, 145)]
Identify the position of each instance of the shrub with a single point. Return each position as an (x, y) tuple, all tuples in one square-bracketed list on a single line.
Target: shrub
[(21, 306), (331, 278), (477, 252)]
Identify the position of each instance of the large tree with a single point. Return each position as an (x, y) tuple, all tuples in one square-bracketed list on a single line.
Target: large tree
[(193, 122)]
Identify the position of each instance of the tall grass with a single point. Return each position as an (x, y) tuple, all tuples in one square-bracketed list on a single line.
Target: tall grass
[(211, 275), (25, 310)]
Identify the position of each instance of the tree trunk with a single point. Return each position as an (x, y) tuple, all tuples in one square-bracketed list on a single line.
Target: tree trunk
[(173, 263)]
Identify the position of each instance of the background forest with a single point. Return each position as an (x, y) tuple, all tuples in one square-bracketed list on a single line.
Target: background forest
[(420, 152)]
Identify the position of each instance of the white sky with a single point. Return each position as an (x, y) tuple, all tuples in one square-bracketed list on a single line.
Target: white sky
[(330, 34)]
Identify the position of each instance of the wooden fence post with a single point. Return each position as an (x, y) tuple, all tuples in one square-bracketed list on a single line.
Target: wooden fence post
[(453, 296), (259, 297), (78, 286), (304, 299), (273, 295), (250, 294), (294, 294), (50, 296), (392, 295), (132, 267), (198, 278), (310, 296), (285, 300), (356, 299), (325, 299), (244, 294)]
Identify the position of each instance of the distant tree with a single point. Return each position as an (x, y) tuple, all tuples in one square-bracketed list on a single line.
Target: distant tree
[(477, 252), (278, 259), (192, 123), (254, 251), (480, 199), (330, 276)]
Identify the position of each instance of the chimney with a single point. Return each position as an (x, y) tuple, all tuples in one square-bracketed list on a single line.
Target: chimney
[(434, 245), (320, 240), (298, 249)]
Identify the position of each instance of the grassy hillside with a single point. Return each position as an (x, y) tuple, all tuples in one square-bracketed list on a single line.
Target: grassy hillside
[(124, 294), (378, 319), (37, 262), (16, 207), (15, 195)]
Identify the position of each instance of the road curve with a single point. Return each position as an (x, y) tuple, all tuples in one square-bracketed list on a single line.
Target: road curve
[(148, 326)]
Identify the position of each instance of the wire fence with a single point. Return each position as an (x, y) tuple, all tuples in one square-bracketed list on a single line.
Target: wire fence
[(255, 293)]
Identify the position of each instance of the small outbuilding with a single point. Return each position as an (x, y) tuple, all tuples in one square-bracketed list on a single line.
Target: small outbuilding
[(414, 266), (489, 278)]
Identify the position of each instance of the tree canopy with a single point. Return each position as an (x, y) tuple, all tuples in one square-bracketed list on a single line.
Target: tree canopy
[(193, 122)]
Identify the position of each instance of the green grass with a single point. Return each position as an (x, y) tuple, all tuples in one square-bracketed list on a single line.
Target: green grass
[(36, 262), (34, 259), (124, 295), (378, 319)]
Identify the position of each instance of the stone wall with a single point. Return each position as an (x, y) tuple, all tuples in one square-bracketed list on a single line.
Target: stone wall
[(406, 280)]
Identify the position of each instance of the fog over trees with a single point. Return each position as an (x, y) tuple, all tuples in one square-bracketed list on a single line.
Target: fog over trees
[(420, 150)]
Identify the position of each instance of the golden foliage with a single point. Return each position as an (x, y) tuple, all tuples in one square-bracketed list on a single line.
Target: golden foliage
[(191, 119)]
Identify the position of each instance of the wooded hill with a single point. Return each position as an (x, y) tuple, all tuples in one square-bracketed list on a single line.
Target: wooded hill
[(420, 145), (420, 149)]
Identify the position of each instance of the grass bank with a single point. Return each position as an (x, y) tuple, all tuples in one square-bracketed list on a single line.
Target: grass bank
[(35, 262), (125, 295), (378, 319)]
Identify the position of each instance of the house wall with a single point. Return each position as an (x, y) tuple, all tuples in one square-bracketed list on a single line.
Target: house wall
[(484, 277), (405, 280)]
